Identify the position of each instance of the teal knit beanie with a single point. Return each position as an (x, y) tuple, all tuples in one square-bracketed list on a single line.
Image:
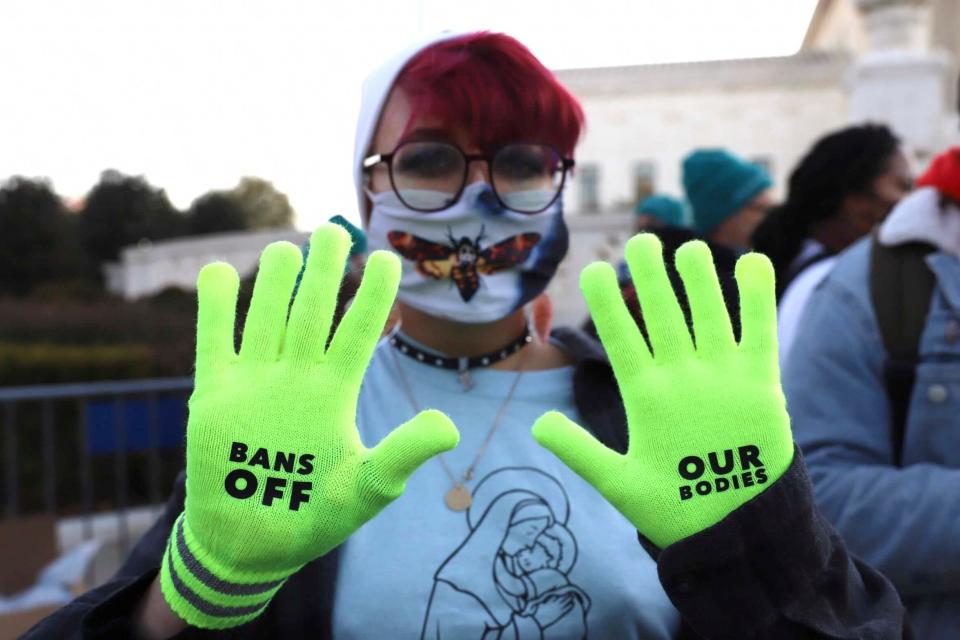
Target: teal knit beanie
[(357, 236), (664, 208), (718, 184), (358, 248)]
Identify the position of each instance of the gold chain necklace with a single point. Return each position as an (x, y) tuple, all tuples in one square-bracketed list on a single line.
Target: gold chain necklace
[(459, 498)]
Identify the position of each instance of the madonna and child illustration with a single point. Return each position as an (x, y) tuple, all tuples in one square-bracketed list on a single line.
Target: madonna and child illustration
[(510, 578)]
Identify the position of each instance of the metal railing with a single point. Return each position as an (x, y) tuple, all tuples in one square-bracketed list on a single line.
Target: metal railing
[(81, 437)]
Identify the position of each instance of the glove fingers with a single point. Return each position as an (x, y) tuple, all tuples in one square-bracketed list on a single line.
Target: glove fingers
[(390, 463), (363, 324), (711, 322), (758, 304), (618, 330), (666, 326), (217, 287), (266, 321), (316, 300), (579, 450)]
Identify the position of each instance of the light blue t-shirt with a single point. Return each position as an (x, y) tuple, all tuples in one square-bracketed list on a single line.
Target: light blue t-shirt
[(539, 554)]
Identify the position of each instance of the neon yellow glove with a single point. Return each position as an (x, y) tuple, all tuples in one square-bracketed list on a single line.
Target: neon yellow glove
[(708, 426), (276, 473)]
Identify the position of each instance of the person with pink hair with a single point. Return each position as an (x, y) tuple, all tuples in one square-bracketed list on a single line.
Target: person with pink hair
[(464, 144)]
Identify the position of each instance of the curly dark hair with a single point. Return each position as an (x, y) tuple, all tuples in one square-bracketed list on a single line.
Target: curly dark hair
[(840, 163)]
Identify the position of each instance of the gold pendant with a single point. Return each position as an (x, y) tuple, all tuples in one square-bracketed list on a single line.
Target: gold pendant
[(458, 498)]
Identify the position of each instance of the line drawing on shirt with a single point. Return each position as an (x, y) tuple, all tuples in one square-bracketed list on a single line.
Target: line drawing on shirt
[(510, 577)]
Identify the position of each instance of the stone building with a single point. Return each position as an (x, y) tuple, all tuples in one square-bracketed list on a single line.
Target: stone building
[(880, 60), (889, 61), (151, 267)]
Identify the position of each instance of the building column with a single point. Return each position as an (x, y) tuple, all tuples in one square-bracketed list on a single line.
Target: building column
[(901, 81)]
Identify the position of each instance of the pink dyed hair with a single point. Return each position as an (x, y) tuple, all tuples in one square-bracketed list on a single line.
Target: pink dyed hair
[(492, 85)]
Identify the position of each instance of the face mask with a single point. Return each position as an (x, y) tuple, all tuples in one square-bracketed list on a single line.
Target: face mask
[(475, 261)]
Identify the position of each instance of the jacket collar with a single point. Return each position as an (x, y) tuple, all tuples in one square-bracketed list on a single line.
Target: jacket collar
[(924, 216)]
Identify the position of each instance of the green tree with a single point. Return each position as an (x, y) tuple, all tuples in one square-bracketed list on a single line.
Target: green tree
[(122, 210), (37, 237), (215, 212), (262, 205)]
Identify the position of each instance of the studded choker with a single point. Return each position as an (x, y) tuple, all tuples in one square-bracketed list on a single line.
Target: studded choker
[(462, 364)]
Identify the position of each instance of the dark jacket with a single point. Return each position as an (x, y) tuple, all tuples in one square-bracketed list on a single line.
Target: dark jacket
[(772, 569), (672, 237)]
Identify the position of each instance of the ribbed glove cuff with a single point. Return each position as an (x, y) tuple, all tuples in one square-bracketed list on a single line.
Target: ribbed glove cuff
[(200, 596)]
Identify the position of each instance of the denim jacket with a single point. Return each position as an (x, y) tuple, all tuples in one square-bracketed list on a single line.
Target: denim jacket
[(903, 520)]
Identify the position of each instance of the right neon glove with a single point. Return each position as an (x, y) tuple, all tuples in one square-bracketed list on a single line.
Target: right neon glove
[(276, 473), (708, 426)]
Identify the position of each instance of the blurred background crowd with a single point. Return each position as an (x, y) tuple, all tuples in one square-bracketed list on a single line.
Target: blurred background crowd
[(802, 157)]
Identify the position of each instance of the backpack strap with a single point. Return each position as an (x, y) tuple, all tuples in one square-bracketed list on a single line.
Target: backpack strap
[(901, 285)]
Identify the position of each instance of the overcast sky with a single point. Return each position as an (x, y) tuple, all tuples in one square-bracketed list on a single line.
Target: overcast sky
[(194, 94)]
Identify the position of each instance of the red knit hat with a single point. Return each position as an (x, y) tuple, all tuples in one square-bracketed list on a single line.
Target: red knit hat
[(943, 174)]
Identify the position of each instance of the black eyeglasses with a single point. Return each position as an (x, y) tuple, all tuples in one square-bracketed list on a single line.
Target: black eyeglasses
[(431, 176)]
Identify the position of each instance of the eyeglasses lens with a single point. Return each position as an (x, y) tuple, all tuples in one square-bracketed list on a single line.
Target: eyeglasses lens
[(428, 176), (527, 176)]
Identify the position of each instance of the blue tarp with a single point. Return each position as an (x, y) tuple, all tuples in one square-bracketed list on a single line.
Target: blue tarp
[(102, 430)]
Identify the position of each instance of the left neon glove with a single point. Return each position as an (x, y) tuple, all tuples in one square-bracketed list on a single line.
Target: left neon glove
[(708, 426), (276, 472)]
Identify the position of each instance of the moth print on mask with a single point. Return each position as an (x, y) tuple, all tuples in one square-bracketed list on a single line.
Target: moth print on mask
[(463, 260)]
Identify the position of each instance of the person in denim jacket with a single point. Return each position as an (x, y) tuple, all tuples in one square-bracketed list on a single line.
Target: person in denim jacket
[(903, 519)]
